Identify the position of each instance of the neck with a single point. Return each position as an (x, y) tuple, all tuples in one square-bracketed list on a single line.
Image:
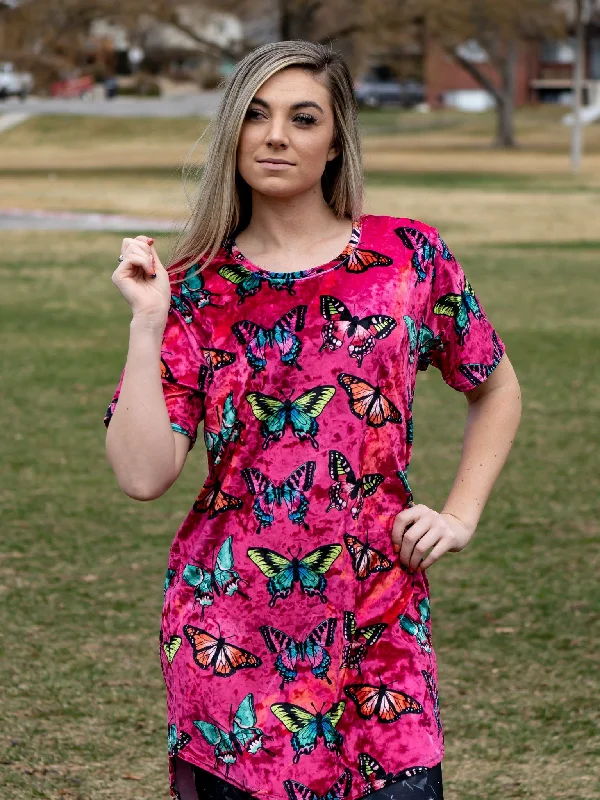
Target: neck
[(288, 222)]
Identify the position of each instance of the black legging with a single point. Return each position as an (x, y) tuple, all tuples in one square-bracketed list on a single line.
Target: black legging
[(422, 786)]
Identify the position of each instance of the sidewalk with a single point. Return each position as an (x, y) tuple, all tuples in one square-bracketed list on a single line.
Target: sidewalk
[(16, 219)]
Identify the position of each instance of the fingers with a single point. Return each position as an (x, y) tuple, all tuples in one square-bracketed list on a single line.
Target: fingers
[(138, 252), (413, 533)]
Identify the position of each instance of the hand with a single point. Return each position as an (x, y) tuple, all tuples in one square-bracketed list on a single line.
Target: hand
[(148, 296), (419, 527)]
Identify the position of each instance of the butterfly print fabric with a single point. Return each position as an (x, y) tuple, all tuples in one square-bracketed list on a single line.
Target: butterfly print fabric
[(292, 642)]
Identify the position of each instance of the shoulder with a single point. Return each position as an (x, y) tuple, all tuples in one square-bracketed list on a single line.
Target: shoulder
[(408, 230)]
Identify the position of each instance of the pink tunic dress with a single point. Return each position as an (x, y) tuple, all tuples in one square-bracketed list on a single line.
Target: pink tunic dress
[(296, 650)]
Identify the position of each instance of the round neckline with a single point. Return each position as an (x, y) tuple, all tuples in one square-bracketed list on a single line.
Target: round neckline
[(300, 274)]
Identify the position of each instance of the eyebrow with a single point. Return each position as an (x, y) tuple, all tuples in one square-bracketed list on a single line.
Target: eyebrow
[(303, 104)]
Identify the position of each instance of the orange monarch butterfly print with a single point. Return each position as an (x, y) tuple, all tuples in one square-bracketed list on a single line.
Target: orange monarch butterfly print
[(165, 371), (388, 705), (210, 651), (362, 260), (368, 401), (214, 500), (215, 359), (365, 560)]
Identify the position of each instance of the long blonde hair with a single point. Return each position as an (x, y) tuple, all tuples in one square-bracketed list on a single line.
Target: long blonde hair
[(224, 202)]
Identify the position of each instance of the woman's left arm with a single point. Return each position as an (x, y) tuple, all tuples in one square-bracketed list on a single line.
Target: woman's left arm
[(494, 414)]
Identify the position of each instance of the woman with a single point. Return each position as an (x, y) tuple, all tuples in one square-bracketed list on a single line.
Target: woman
[(296, 635)]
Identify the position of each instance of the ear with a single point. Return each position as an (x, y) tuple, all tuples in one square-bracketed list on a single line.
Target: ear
[(333, 151)]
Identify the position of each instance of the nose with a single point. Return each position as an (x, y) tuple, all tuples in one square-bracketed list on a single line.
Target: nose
[(276, 134)]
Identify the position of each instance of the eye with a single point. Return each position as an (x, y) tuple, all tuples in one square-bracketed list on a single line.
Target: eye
[(305, 119), (252, 113)]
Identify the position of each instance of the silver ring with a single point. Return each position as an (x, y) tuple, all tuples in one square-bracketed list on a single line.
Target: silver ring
[(121, 258)]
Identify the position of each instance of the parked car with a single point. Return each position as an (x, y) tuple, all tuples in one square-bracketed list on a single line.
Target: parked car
[(81, 87), (13, 83), (373, 93)]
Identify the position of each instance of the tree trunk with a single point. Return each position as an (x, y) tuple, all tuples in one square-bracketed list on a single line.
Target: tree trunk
[(505, 100)]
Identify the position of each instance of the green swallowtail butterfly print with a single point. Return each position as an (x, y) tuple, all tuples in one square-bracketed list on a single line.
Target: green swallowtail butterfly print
[(283, 572), (248, 283), (242, 736), (299, 414), (307, 728), (459, 307)]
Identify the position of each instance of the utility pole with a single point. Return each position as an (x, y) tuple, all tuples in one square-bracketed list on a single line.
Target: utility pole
[(577, 132)]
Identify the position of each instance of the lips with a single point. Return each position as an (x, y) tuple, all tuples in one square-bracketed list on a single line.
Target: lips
[(274, 161)]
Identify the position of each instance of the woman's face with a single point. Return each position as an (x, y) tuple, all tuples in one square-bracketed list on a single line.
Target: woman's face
[(290, 118)]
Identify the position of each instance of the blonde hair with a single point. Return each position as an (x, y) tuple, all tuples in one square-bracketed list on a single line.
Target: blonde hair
[(224, 203)]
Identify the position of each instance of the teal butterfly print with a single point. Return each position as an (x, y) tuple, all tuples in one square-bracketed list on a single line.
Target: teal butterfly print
[(192, 295), (410, 394), (402, 474), (283, 572), (299, 414), (242, 737), (291, 491), (222, 579), (283, 335), (428, 342), (418, 628), (477, 373), (413, 337), (170, 574), (307, 728), (459, 307), (231, 428), (290, 651), (339, 790), (176, 743)]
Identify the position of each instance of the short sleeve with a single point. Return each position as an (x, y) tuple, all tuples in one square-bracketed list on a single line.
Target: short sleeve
[(180, 375), (456, 336)]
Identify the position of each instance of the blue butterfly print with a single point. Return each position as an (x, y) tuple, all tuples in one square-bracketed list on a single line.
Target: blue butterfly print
[(300, 414), (192, 295), (242, 737), (423, 251), (402, 474), (410, 395), (418, 629), (339, 790), (257, 338), (283, 572), (433, 692), (269, 494), (223, 579), (311, 649), (477, 373), (307, 728)]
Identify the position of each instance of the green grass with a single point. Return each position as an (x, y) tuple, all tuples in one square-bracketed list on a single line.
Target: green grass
[(515, 615)]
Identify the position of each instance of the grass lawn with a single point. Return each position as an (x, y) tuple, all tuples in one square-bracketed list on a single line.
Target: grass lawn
[(515, 615)]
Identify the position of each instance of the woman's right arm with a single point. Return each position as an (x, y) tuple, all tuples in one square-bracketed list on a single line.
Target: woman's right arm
[(144, 451), (146, 454)]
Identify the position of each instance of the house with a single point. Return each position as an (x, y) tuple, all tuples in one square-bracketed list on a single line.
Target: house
[(204, 42), (544, 72)]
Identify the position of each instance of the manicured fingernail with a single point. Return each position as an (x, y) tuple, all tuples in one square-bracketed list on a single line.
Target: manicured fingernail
[(150, 241)]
